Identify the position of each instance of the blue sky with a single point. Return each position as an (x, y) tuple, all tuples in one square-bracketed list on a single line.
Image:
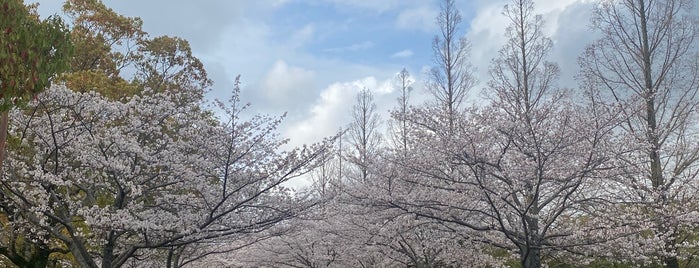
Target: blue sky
[(310, 57)]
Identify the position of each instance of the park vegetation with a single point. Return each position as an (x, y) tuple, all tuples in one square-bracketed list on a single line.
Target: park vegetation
[(102, 167)]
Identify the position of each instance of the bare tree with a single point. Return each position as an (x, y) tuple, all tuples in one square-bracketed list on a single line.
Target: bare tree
[(452, 77), (646, 64), (399, 125), (363, 133), (325, 176)]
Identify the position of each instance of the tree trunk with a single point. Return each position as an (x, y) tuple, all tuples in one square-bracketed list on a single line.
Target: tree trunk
[(173, 257), (656, 168), (672, 262), (531, 258), (36, 257), (82, 256), (531, 252), (40, 259), (108, 251), (3, 136)]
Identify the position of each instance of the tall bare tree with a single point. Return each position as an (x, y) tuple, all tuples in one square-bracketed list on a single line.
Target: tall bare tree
[(452, 77), (364, 133), (399, 125), (646, 64)]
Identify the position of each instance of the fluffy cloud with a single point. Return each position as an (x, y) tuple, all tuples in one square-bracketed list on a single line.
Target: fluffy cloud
[(420, 17), (565, 23), (351, 48), (570, 41), (406, 53), (284, 87), (331, 111), (378, 6), (302, 36), (201, 24)]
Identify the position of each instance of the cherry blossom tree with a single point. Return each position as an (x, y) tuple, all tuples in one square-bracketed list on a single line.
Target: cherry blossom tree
[(513, 173), (110, 179), (537, 152)]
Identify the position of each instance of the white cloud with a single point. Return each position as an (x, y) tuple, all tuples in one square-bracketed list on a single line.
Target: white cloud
[(406, 53), (331, 110), (302, 36), (570, 41), (278, 3), (420, 18), (284, 86), (486, 34), (487, 29), (351, 48), (201, 24), (378, 6)]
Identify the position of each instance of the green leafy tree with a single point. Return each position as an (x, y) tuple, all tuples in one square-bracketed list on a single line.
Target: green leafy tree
[(166, 63), (31, 53), (105, 43)]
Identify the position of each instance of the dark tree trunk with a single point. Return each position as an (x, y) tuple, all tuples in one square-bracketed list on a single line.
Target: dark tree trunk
[(531, 252)]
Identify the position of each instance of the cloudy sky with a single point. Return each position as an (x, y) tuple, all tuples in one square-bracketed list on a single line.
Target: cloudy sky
[(310, 57)]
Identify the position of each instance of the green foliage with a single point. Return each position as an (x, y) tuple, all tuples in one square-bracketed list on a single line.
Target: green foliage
[(107, 42), (98, 34), (96, 30), (167, 63), (31, 52)]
